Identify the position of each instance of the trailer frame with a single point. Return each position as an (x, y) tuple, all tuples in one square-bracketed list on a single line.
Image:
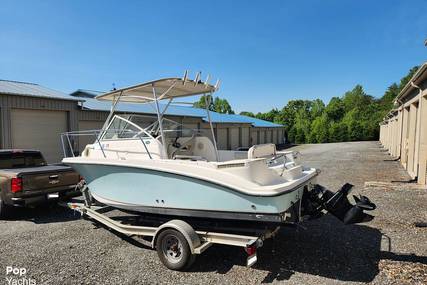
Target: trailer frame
[(197, 240)]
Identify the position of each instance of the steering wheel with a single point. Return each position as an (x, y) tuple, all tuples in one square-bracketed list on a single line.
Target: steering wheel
[(176, 144), (180, 146)]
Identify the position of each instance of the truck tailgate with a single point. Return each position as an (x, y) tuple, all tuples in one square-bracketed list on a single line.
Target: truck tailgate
[(52, 176)]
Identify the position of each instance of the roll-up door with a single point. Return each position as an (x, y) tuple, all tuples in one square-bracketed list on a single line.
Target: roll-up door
[(39, 129)]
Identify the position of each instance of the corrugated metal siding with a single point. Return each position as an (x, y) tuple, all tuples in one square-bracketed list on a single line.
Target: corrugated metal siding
[(92, 115)]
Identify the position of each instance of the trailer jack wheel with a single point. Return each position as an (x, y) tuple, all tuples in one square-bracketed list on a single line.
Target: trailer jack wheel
[(173, 250)]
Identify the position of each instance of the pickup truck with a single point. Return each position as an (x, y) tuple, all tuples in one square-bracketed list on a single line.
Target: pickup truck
[(27, 180)]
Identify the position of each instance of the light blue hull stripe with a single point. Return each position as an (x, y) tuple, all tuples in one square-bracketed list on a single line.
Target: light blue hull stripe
[(150, 188)]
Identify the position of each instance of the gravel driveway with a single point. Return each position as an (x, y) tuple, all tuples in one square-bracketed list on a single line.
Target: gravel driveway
[(56, 247)]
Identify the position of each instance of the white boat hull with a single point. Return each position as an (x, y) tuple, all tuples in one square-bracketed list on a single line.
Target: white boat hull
[(144, 190)]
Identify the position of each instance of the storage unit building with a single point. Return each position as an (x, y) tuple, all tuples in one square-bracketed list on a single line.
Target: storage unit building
[(33, 116), (404, 130)]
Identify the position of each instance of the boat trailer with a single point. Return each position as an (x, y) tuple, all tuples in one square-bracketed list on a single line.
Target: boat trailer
[(177, 243)]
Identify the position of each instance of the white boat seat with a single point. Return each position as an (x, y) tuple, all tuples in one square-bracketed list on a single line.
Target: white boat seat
[(262, 151)]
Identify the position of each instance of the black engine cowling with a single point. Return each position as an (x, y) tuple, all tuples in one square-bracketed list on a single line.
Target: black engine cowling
[(319, 198)]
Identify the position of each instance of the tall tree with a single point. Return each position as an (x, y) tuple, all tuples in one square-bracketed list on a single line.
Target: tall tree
[(202, 102), (222, 106), (215, 104), (354, 116), (335, 109), (319, 132), (248, 114)]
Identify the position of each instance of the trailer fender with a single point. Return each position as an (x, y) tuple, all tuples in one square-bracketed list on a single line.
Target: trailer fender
[(184, 228)]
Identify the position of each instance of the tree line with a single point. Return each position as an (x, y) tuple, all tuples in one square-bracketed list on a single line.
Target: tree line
[(355, 116)]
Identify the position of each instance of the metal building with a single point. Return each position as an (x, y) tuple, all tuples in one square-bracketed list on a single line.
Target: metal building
[(33, 116), (404, 130)]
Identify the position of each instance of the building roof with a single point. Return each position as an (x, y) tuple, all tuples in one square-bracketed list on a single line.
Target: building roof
[(174, 110), (418, 77), (30, 89)]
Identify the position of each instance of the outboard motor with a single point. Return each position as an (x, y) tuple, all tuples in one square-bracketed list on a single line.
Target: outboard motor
[(320, 198)]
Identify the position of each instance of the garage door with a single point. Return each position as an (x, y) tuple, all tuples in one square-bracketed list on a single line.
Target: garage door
[(279, 136), (222, 139), (234, 138), (40, 130), (261, 137), (88, 139), (254, 135), (245, 137)]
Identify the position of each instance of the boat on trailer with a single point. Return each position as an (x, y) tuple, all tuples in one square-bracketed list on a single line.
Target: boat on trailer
[(156, 166)]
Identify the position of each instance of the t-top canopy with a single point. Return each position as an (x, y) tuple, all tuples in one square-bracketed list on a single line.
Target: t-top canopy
[(161, 89)]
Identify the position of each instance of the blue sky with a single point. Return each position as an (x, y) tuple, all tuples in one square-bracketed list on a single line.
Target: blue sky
[(265, 52)]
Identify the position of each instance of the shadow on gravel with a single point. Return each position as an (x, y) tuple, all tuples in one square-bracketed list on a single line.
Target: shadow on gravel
[(327, 248), (43, 214)]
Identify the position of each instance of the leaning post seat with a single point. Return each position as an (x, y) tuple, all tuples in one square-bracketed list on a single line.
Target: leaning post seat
[(262, 151)]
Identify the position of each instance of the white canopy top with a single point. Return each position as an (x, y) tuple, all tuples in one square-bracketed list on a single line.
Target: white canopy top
[(166, 88)]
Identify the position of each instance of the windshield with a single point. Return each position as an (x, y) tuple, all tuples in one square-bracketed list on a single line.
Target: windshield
[(140, 126)]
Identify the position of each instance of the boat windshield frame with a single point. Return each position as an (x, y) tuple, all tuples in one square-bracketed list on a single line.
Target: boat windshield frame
[(149, 131)]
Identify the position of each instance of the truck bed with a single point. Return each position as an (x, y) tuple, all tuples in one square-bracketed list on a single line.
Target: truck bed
[(28, 185)]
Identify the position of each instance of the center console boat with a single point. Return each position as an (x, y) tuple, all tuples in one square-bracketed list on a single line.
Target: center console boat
[(154, 165)]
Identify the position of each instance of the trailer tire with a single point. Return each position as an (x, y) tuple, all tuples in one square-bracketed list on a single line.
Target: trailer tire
[(173, 250)]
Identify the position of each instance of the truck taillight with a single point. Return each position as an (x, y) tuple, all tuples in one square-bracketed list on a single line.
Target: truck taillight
[(16, 185)]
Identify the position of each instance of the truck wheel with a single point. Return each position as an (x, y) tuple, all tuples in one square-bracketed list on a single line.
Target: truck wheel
[(3, 209), (173, 250)]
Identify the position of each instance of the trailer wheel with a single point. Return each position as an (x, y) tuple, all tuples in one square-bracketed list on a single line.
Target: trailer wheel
[(173, 250)]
